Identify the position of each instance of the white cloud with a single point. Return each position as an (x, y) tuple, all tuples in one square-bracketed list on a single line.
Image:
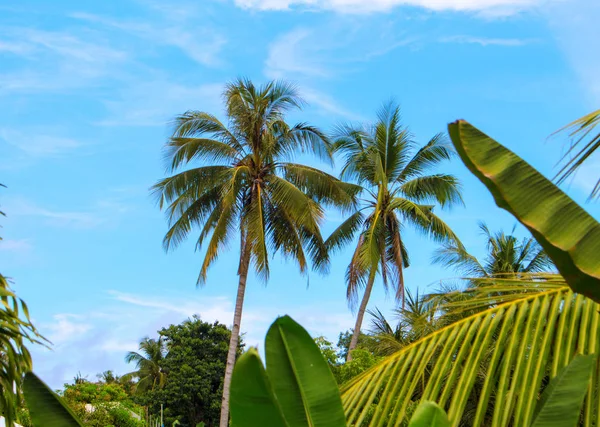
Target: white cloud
[(65, 328), (486, 41), (361, 6)]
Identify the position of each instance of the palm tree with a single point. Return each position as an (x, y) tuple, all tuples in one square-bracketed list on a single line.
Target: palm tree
[(580, 130), (383, 160), (148, 364), (506, 255), (415, 320), (248, 188)]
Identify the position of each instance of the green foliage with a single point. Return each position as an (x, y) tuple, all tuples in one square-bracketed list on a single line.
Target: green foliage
[(296, 389), (343, 371), (560, 404), (122, 417), (362, 360), (195, 363), (94, 393), (568, 234), (429, 414)]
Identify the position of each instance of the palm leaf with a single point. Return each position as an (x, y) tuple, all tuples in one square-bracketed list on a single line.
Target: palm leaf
[(580, 130), (510, 350)]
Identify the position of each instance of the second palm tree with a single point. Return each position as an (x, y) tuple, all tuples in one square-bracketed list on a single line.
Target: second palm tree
[(399, 191)]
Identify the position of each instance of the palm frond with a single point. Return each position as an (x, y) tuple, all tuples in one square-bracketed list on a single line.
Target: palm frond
[(345, 232), (489, 367), (181, 150), (441, 188), (580, 130), (435, 151), (321, 187), (456, 256)]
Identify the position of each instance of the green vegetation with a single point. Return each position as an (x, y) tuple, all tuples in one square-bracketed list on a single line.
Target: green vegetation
[(195, 353)]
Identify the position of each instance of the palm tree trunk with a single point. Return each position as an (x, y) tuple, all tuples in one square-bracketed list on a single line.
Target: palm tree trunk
[(235, 333), (361, 315)]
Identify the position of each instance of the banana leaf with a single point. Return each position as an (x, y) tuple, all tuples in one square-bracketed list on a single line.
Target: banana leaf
[(568, 234)]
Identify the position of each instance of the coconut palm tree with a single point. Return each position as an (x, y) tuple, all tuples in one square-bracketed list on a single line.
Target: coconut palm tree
[(148, 364), (506, 255), (247, 188), (586, 142), (385, 161), (415, 320)]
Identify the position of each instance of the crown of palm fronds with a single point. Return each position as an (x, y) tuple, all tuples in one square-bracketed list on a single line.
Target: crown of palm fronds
[(506, 254), (148, 364), (246, 183)]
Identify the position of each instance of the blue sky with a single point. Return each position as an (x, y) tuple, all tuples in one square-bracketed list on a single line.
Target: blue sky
[(87, 90)]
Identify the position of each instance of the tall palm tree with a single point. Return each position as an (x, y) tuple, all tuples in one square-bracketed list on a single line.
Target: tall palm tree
[(384, 160), (147, 362), (506, 255), (586, 142), (248, 188)]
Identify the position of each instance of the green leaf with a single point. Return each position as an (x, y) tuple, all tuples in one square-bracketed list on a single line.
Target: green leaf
[(45, 407), (429, 414), (568, 234), (252, 400), (302, 381), (560, 404)]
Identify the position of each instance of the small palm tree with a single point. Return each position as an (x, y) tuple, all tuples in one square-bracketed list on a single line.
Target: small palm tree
[(385, 161), (247, 188), (148, 364), (415, 320), (506, 255)]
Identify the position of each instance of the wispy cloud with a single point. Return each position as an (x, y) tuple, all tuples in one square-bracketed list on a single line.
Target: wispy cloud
[(486, 41), (502, 7), (56, 60), (103, 212), (200, 43), (289, 56), (39, 145), (156, 102)]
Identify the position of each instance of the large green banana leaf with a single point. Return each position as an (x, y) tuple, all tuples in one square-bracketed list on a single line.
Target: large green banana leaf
[(45, 407), (568, 234), (488, 369)]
